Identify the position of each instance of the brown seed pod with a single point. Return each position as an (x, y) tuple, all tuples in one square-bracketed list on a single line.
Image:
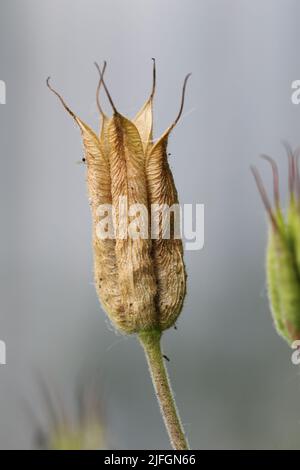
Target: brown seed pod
[(141, 282), (167, 253)]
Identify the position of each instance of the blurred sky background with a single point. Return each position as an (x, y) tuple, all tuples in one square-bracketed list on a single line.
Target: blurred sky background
[(235, 384)]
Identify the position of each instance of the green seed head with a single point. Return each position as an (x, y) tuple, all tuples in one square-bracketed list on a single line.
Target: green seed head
[(283, 251)]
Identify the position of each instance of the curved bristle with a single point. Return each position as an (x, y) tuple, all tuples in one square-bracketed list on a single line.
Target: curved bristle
[(182, 100), (275, 178), (297, 174), (292, 166), (153, 79), (101, 73), (61, 99), (53, 416), (105, 87), (263, 195)]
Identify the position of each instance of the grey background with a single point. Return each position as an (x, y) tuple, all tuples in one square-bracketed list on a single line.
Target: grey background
[(234, 381)]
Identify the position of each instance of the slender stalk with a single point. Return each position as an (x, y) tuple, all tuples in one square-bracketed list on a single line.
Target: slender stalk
[(150, 341)]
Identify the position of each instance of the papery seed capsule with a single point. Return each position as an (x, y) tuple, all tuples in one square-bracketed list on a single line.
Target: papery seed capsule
[(141, 282), (167, 253), (283, 252)]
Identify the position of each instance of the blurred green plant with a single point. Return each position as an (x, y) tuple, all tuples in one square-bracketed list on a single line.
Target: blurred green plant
[(283, 251), (87, 436), (84, 429)]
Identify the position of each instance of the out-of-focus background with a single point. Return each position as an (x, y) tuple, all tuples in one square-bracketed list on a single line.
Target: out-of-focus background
[(235, 384)]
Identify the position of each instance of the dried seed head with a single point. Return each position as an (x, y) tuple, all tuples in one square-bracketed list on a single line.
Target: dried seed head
[(141, 282), (283, 252)]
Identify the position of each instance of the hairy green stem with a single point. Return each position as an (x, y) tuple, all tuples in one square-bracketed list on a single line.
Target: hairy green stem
[(150, 341)]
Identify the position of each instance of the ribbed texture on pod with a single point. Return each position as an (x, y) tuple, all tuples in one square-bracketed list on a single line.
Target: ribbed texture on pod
[(167, 253)]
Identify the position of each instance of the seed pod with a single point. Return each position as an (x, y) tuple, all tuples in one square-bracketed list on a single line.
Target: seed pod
[(167, 253), (283, 251), (140, 282)]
